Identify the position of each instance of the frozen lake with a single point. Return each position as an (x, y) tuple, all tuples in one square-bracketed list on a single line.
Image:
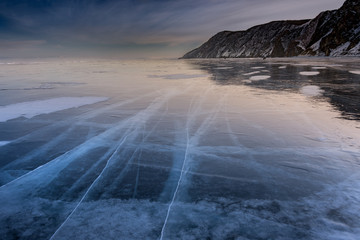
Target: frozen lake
[(180, 149)]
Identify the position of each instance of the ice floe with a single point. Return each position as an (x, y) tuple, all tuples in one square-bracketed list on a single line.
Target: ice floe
[(34, 108)]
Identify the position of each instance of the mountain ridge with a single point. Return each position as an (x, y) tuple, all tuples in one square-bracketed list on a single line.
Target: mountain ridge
[(331, 33)]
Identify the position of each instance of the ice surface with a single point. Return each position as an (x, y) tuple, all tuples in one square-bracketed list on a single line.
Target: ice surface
[(209, 156), (34, 108), (313, 73), (259, 67)]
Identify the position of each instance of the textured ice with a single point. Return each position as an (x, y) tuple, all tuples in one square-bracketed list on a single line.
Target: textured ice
[(312, 73), (34, 108), (224, 218), (318, 67), (198, 158)]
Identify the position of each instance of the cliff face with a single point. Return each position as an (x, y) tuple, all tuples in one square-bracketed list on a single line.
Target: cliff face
[(331, 33)]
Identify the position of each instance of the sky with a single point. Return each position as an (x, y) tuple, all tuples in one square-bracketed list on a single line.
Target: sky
[(134, 28)]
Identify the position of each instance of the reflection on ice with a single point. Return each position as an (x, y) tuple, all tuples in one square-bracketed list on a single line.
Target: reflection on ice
[(339, 85), (197, 158)]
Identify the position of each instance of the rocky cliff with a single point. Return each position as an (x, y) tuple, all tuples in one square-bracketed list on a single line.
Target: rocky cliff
[(331, 33)]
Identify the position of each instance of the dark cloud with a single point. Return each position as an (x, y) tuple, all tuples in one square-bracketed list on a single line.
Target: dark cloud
[(139, 24)]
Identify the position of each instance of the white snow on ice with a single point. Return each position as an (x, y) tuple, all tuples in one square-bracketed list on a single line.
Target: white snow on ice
[(355, 72), (178, 76), (282, 67), (313, 73), (3, 143), (259, 77), (34, 108), (311, 90), (257, 67), (223, 68), (316, 67), (251, 73)]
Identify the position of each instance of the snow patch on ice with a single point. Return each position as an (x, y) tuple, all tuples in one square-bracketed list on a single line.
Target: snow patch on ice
[(282, 67), (251, 73), (257, 67), (3, 143), (34, 108), (355, 72), (318, 68), (313, 73), (311, 90), (223, 68), (259, 77), (178, 76)]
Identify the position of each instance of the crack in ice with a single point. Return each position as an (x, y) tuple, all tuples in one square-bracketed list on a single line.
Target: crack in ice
[(87, 191), (181, 174), (177, 187), (199, 132)]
